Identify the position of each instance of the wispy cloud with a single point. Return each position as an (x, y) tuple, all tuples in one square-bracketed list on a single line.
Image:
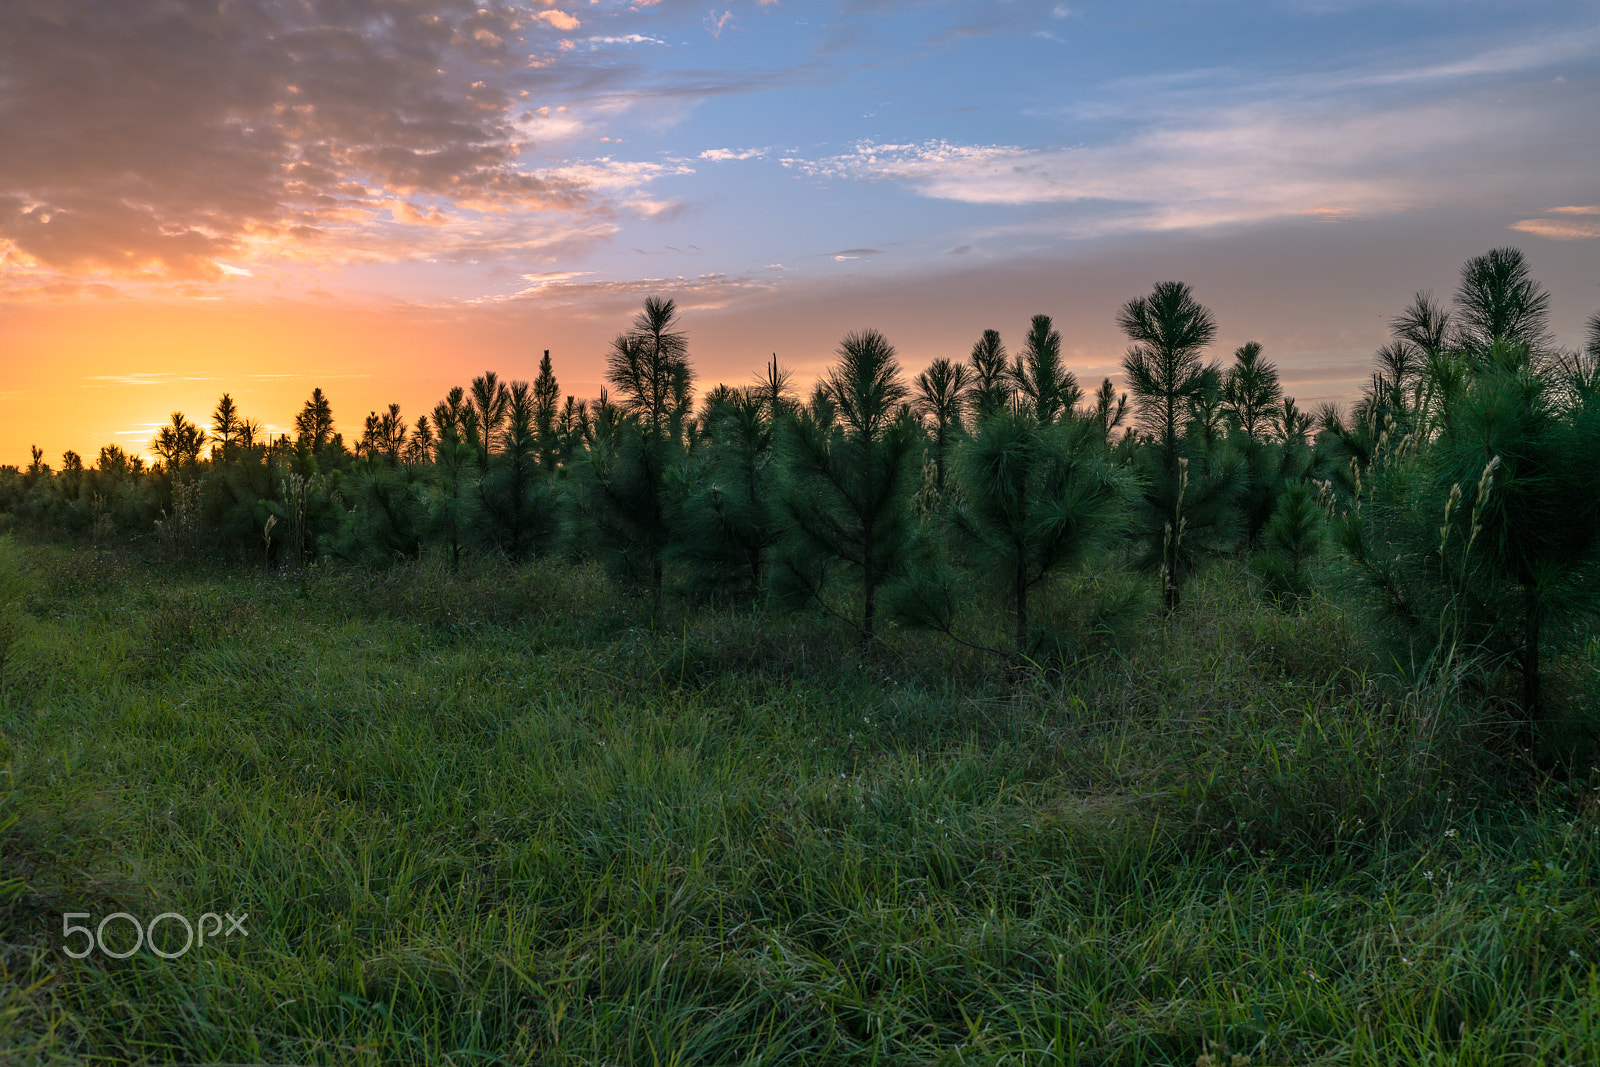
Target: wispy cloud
[(724, 155), (569, 289), (1572, 223), (1180, 158)]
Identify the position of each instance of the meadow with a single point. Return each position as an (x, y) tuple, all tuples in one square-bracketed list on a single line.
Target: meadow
[(513, 814)]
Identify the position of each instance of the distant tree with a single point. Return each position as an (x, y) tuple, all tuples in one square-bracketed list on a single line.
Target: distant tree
[(1110, 409), (384, 435), (251, 433), (419, 448), (991, 382), (848, 478), (772, 388), (450, 497), (1043, 384), (573, 430), (112, 460), (179, 442), (726, 521), (386, 518), (940, 401), (226, 424), (489, 399), (546, 397), (1250, 390), (513, 497), (649, 365), (314, 425)]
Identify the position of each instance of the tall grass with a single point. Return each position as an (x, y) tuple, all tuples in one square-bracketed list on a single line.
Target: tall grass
[(495, 815)]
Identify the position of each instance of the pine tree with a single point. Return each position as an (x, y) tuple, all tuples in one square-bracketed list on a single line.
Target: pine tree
[(848, 478), (636, 442), (1169, 329), (1110, 409), (1250, 390), (726, 522), (179, 442), (546, 396), (451, 495), (940, 401), (1034, 498), (1290, 540), (991, 376), (1509, 459), (419, 448), (314, 425), (226, 426), (1498, 301), (1042, 382), (1188, 491), (488, 400), (515, 501)]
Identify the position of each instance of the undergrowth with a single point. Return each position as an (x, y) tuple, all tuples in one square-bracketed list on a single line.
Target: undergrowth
[(510, 815)]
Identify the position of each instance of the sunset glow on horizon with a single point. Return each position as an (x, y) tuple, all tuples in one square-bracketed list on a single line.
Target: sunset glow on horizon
[(384, 198)]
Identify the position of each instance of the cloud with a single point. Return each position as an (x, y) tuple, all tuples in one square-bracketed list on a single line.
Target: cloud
[(560, 20), (701, 293), (629, 38), (723, 155), (157, 142), (1208, 148), (1575, 223), (616, 175)]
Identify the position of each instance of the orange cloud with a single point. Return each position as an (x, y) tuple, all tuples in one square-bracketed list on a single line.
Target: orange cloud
[(147, 144)]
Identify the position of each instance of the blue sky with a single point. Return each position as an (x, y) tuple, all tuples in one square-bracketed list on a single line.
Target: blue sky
[(494, 179)]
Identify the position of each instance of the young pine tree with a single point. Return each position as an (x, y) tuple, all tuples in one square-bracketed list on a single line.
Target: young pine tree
[(546, 397), (314, 424), (1487, 533), (226, 424), (624, 491), (1044, 386), (940, 401), (1187, 505), (725, 522), (488, 399), (1250, 390), (1290, 539), (1034, 498), (992, 384), (450, 496), (848, 477), (515, 498)]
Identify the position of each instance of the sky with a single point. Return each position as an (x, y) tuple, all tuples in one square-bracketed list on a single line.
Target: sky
[(384, 198)]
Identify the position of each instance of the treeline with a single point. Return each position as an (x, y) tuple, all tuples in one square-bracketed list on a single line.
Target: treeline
[(1464, 486)]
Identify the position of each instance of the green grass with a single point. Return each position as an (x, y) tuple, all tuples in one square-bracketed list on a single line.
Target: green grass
[(499, 817)]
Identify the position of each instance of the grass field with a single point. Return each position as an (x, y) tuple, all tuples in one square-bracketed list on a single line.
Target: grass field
[(501, 816)]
